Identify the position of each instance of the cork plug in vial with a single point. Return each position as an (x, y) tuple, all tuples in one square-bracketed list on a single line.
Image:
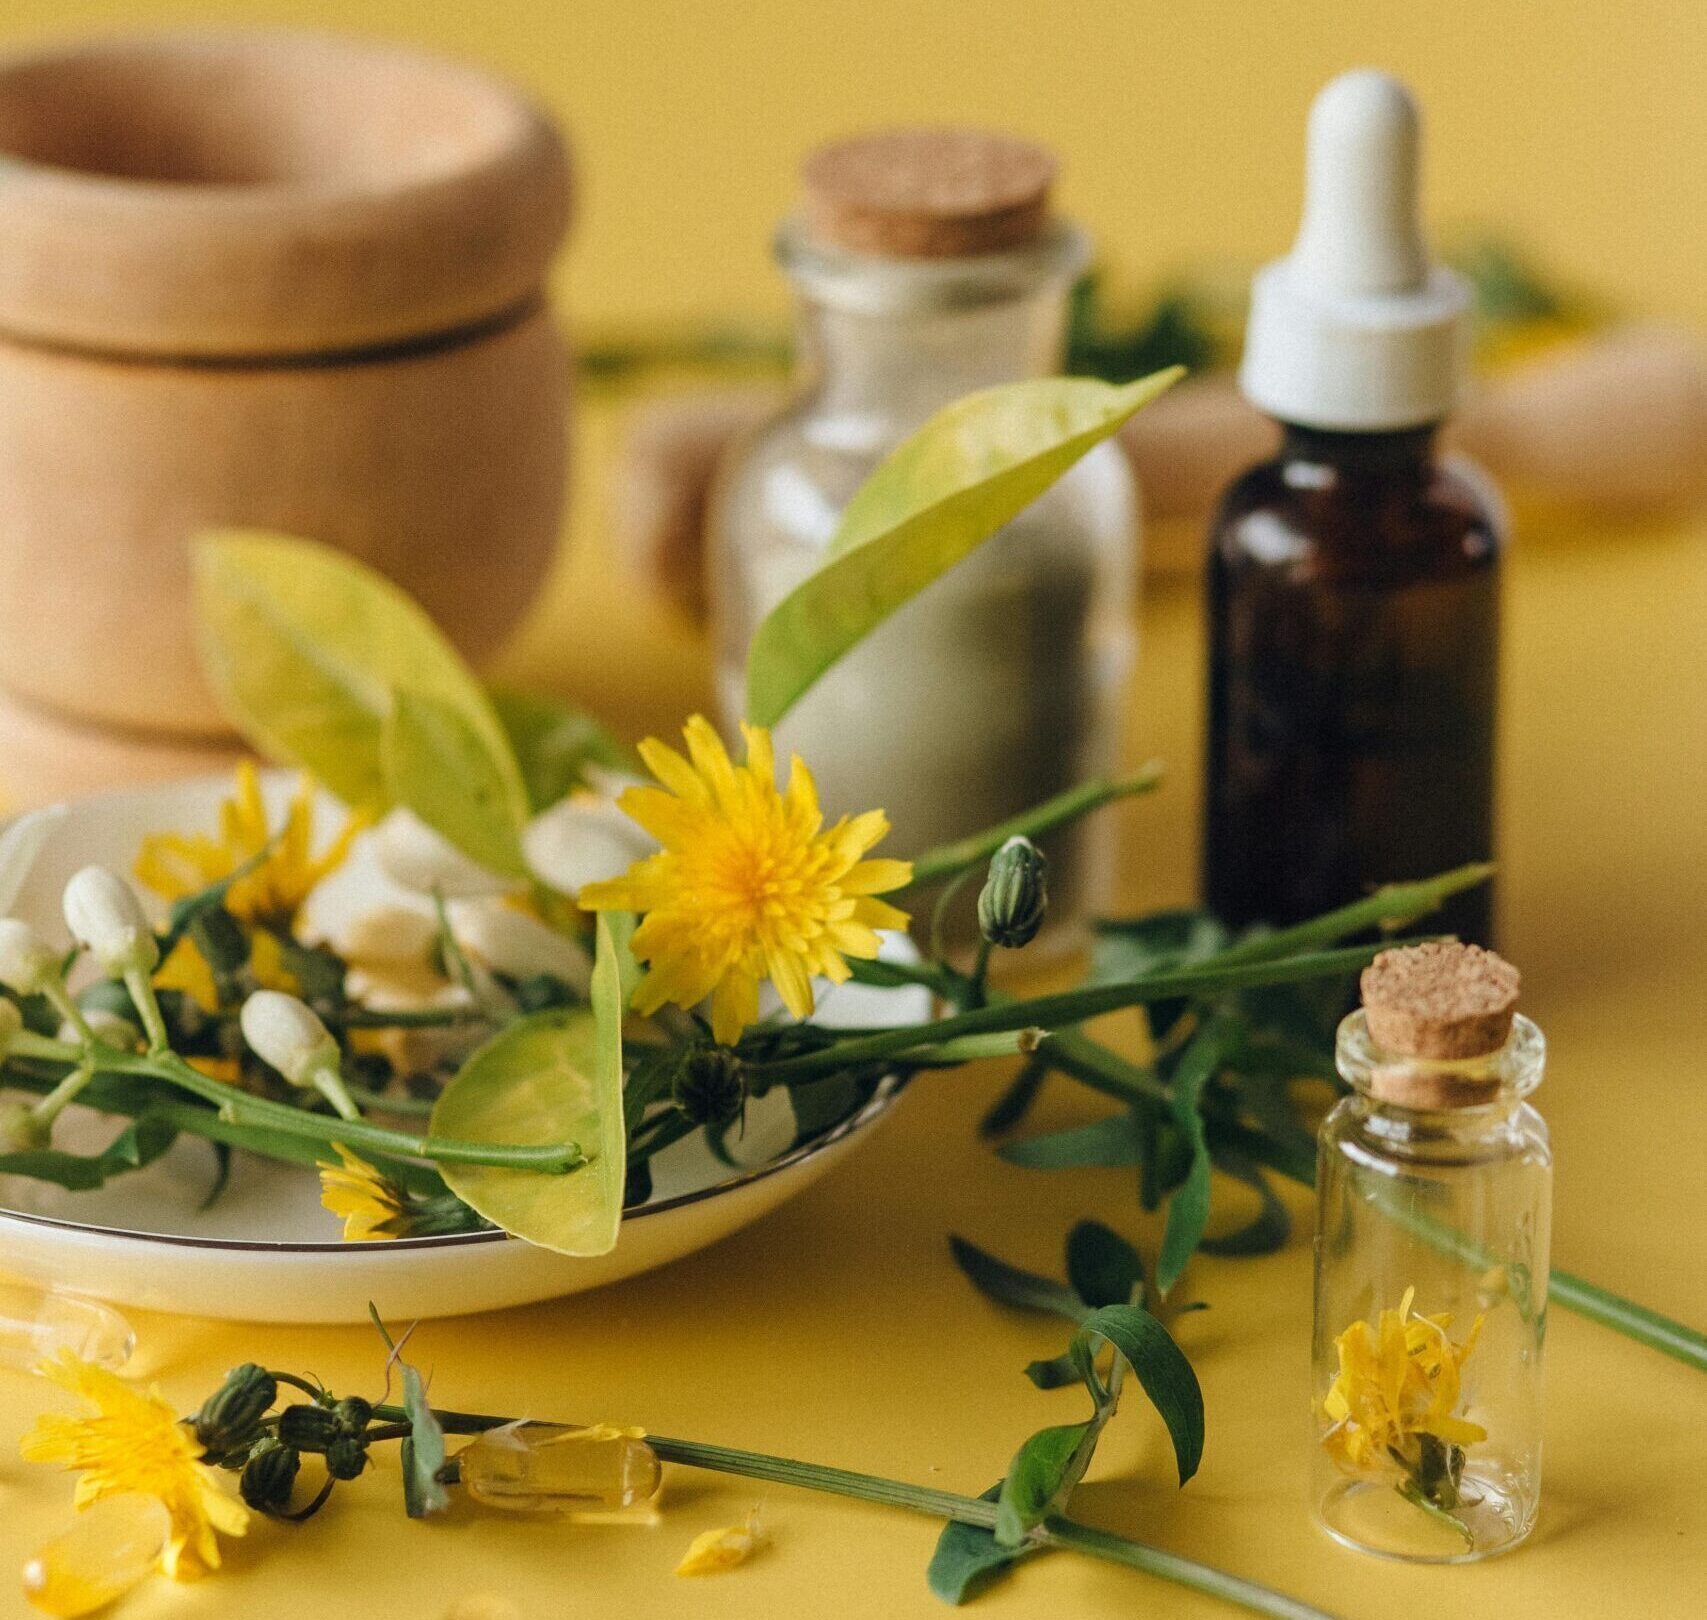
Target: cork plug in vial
[(1434, 1197), (1353, 581)]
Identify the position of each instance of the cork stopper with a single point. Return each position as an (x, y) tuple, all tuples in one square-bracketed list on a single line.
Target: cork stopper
[(939, 193), (1443, 1003)]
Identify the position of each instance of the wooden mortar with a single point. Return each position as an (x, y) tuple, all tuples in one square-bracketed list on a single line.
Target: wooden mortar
[(275, 280)]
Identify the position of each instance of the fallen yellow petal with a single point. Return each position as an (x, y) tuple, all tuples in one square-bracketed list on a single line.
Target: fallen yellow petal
[(718, 1550)]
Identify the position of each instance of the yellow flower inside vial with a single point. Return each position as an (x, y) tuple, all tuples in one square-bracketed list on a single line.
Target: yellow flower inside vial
[(1434, 1192), (599, 1473)]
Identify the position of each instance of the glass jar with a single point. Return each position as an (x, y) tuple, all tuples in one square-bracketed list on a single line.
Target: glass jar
[(1431, 1300), (1002, 682)]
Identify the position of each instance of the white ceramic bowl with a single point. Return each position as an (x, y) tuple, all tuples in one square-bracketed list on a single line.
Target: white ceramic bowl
[(267, 1251)]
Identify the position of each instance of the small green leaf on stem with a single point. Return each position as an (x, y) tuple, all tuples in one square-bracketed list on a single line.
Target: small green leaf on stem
[(1103, 1268), (969, 1560), (1039, 1479), (1009, 1285)]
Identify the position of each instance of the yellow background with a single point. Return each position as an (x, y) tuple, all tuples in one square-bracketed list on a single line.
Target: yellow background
[(838, 1330)]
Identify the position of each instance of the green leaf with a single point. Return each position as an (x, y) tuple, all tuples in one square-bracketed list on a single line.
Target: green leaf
[(1161, 1368), (423, 1452), (551, 1078), (954, 483), (1268, 1230), (555, 745), (1009, 1285), (1057, 1372), (307, 650), (1102, 1266), (1041, 1476), (969, 1559), (140, 1143), (1008, 1111), (1114, 1142), (1188, 1209), (442, 768)]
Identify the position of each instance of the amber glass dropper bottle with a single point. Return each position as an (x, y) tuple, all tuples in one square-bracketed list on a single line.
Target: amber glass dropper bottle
[(1354, 577)]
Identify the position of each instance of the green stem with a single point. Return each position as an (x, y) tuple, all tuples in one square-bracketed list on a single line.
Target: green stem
[(240, 1107), (50, 1107), (1395, 904), (1059, 1531), (141, 988), (1064, 1532), (977, 986), (948, 859), (1072, 1007)]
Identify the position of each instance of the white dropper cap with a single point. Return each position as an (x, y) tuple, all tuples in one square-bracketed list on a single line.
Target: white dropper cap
[(1355, 330)]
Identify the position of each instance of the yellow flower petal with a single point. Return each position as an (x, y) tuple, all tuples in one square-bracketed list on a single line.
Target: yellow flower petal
[(716, 1551), (748, 884), (134, 1442)]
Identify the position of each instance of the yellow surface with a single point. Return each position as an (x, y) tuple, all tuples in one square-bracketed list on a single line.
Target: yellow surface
[(838, 1329)]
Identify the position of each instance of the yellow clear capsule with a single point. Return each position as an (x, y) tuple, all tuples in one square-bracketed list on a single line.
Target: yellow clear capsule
[(106, 1550), (591, 1473), (37, 1323)]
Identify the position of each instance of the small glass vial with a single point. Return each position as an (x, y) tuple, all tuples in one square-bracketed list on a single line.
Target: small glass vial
[(927, 267), (592, 1474), (1434, 1191)]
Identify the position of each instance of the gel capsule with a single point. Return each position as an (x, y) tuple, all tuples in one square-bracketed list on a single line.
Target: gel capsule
[(106, 1550), (37, 1323), (547, 1467)]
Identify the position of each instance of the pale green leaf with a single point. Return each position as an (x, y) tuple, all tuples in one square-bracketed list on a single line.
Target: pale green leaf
[(436, 762), (953, 484), (556, 745), (555, 1077), (307, 649)]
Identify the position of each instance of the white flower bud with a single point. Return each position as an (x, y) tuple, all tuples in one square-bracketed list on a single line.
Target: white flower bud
[(288, 1034), (411, 853), (27, 961), (582, 839), (511, 942), (104, 914)]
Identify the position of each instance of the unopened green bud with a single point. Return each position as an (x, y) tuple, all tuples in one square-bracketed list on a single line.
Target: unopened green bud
[(346, 1457), (269, 1476), (710, 1085), (309, 1428), (352, 1414), (1015, 894), (230, 1417)]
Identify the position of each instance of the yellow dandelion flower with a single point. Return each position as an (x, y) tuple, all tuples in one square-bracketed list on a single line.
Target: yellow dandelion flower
[(134, 1442), (715, 1551), (367, 1201), (1400, 1379), (272, 892), (748, 884)]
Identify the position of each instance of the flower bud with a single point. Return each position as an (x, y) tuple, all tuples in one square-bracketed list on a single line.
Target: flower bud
[(269, 1476), (352, 1414), (288, 1034), (710, 1085), (1015, 894), (103, 913), (309, 1428), (346, 1457), (229, 1419), (27, 961)]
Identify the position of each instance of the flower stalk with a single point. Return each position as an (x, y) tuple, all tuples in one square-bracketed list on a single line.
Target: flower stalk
[(1057, 1531)]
